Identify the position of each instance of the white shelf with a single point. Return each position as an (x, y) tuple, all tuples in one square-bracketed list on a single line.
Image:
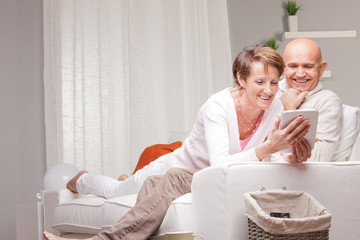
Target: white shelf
[(319, 34), (326, 74)]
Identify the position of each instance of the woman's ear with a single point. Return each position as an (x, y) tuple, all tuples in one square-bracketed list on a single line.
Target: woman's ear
[(240, 80)]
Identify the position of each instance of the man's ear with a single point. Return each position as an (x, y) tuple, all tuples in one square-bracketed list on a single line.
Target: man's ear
[(240, 80), (323, 66)]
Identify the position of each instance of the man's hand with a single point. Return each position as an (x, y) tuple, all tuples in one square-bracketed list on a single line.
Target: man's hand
[(292, 98), (301, 152)]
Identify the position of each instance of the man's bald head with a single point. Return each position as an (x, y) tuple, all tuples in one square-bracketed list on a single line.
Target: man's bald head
[(304, 65)]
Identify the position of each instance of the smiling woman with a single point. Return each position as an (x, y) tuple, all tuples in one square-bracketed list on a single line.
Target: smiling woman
[(234, 125), (250, 104)]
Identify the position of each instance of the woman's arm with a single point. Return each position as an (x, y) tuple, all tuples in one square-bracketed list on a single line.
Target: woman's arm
[(219, 132), (221, 135)]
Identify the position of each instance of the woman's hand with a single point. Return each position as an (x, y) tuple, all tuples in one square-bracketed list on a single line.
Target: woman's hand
[(288, 137)]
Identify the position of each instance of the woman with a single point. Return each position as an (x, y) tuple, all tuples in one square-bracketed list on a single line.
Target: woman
[(234, 125)]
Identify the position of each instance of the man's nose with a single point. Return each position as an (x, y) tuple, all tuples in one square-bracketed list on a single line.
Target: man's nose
[(300, 72)]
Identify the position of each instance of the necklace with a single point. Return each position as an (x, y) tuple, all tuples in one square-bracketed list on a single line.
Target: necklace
[(248, 126)]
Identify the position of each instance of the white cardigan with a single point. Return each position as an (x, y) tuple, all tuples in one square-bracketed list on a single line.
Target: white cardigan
[(215, 138)]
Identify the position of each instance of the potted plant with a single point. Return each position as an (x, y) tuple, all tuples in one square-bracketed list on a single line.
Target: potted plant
[(291, 7), (272, 42)]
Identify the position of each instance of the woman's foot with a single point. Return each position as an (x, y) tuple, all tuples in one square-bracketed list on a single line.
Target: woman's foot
[(122, 177), (71, 185), (49, 236)]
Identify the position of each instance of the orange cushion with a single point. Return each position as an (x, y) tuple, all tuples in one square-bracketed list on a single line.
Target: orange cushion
[(154, 152)]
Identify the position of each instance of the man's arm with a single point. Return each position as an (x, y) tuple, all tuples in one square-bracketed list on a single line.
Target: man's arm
[(329, 125)]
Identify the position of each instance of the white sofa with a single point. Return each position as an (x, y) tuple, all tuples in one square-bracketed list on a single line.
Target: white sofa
[(215, 208), (218, 202)]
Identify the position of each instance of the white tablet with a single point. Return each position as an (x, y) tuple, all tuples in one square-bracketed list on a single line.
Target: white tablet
[(309, 114)]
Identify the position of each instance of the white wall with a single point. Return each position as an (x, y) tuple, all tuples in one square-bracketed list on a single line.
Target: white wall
[(22, 140), (252, 21)]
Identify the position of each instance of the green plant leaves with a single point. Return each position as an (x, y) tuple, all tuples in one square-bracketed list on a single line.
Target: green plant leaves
[(291, 7)]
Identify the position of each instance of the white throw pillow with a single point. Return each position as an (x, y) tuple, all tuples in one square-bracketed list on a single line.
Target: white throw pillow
[(349, 133)]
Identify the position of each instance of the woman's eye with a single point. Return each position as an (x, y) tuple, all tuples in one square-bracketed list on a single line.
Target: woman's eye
[(258, 81), (274, 82)]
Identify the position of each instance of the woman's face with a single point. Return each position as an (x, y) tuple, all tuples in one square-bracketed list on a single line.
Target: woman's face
[(260, 87)]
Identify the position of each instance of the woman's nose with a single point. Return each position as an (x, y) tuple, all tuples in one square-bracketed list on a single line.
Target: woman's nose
[(267, 89)]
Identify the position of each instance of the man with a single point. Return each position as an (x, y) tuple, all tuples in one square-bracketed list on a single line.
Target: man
[(302, 90), (304, 67)]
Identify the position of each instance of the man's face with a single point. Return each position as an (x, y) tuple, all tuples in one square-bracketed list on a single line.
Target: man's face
[(303, 67)]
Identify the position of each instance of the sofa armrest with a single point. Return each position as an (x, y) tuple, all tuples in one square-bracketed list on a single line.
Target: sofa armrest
[(51, 199), (218, 194), (209, 199)]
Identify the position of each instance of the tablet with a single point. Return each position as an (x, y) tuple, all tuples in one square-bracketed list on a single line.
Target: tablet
[(309, 114)]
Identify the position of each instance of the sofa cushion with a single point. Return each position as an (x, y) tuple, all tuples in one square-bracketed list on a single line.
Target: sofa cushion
[(349, 133), (155, 151), (178, 217), (82, 215), (115, 208), (91, 214)]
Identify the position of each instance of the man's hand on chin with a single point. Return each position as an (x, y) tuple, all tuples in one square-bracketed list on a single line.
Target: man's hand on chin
[(292, 98)]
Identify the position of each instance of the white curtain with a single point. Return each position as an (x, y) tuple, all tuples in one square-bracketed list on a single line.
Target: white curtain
[(121, 75)]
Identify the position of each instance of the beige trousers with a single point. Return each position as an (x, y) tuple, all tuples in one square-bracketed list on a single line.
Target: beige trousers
[(153, 200)]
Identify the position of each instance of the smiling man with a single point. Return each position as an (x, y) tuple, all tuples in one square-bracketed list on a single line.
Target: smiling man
[(302, 89)]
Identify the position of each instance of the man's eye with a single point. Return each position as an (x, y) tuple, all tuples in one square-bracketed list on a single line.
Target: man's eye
[(258, 81), (274, 82)]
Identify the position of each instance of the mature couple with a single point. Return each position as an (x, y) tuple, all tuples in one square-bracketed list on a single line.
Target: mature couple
[(234, 125)]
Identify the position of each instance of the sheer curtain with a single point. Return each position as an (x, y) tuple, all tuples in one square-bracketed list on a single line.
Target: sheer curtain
[(121, 75)]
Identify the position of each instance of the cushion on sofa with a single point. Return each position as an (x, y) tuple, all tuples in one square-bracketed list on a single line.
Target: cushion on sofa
[(178, 217), (115, 208), (155, 151), (91, 214), (355, 153), (350, 131), (82, 215)]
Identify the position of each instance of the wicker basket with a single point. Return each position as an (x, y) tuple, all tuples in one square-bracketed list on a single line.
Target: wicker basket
[(286, 214), (257, 233)]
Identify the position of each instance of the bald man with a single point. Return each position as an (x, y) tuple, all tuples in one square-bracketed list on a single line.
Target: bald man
[(302, 90)]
